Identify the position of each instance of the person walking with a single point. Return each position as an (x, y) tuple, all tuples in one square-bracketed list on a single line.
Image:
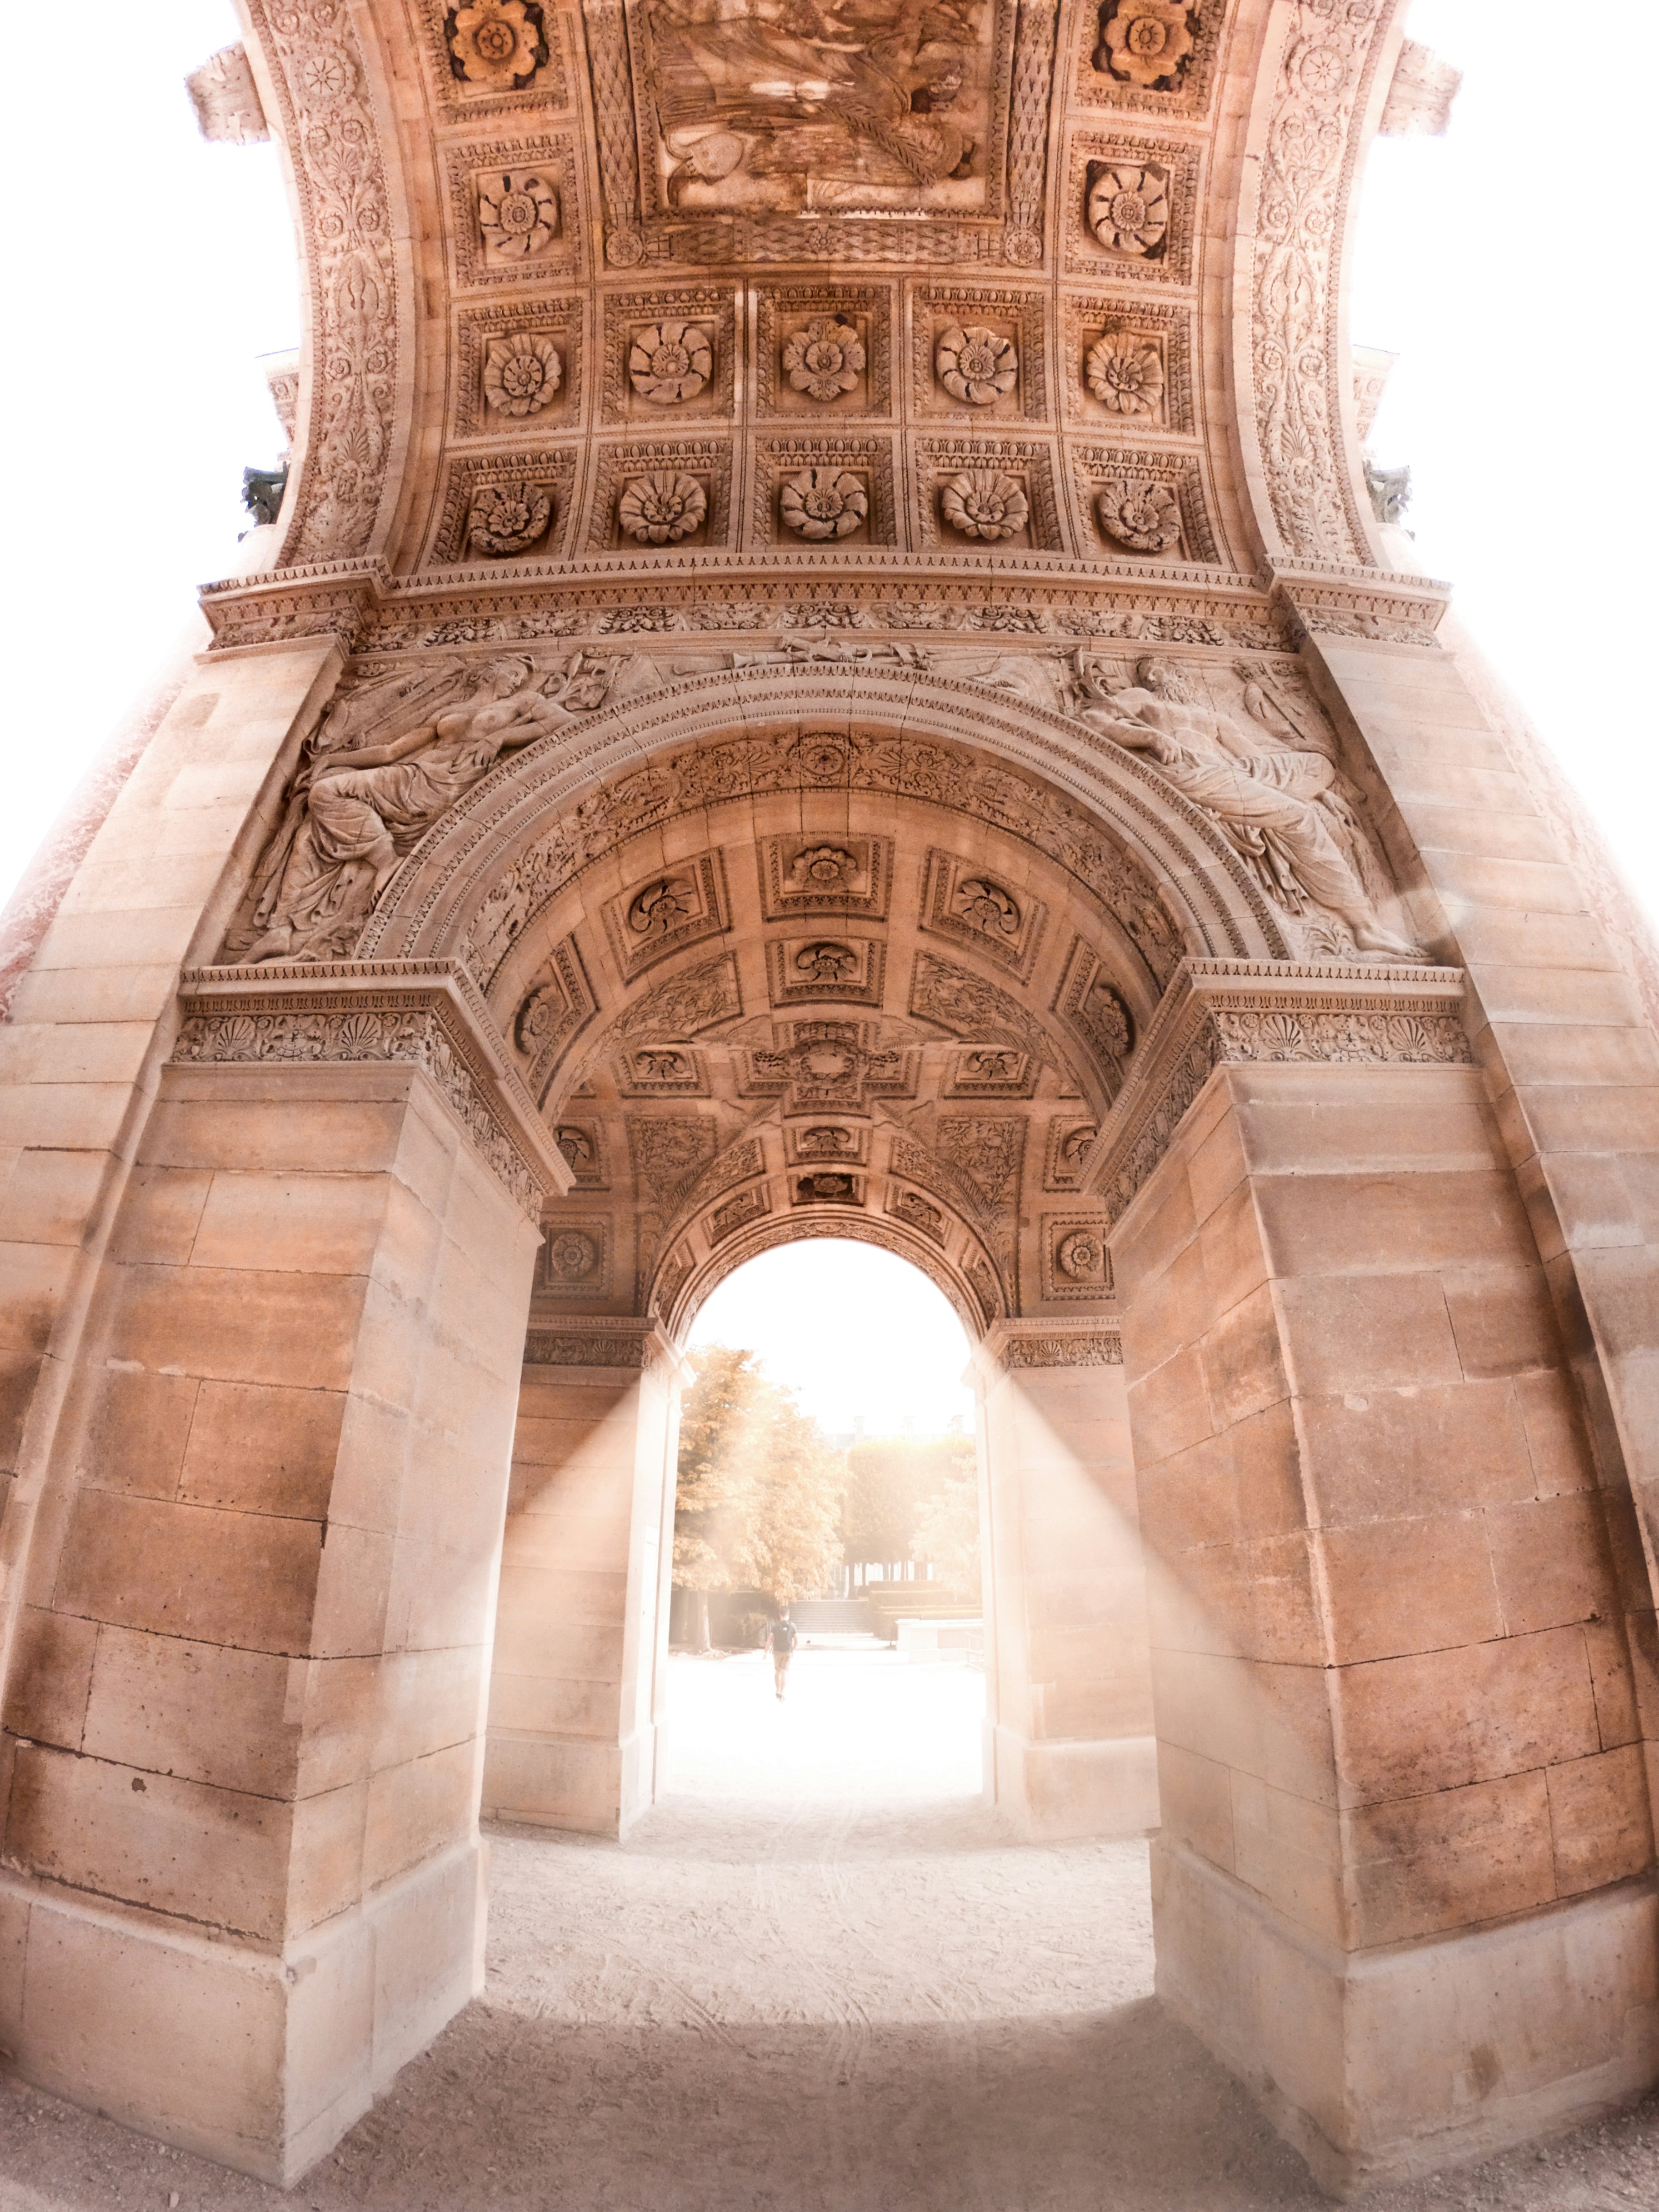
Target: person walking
[(783, 1636)]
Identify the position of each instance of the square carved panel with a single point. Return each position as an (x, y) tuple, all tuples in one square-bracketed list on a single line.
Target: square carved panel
[(824, 872), (557, 1006), (1075, 1261), (826, 1186), (1095, 1009), (963, 899), (1065, 1157), (575, 1261), (469, 77), (1130, 209), (973, 493), (662, 1071), (583, 1145), (663, 913), (737, 1212), (1142, 504), (911, 1205), (492, 503), (670, 356), (826, 1144), (1128, 365), (658, 495), (518, 368), (845, 968), (1146, 62), (823, 492), (515, 210), (992, 1071), (997, 372), (803, 362)]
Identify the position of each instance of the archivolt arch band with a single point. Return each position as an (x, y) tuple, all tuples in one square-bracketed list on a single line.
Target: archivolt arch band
[(442, 885)]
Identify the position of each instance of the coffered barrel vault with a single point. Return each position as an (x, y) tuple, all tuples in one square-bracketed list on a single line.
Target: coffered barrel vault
[(827, 668)]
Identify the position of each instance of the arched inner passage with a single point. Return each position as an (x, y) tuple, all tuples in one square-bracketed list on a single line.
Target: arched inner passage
[(828, 1477)]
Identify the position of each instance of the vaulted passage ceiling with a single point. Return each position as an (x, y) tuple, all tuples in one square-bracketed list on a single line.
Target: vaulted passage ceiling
[(724, 315)]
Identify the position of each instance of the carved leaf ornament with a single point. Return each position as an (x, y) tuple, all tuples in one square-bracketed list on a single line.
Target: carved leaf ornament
[(519, 219), (825, 360), (1128, 208), (975, 364), (521, 374), (1125, 373), (661, 508), (981, 503), (1139, 513), (669, 362), (507, 518), (821, 503)]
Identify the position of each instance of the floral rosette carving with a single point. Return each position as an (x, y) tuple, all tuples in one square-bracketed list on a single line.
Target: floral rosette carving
[(1145, 42), (1125, 373), (669, 362), (981, 503), (661, 508), (821, 503), (521, 374), (519, 219), (507, 518), (975, 365), (496, 43), (825, 360), (1140, 514), (1128, 208)]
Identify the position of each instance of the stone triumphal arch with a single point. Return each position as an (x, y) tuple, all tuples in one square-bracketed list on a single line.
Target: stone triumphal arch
[(828, 664)]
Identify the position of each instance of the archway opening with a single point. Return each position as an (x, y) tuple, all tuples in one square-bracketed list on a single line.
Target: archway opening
[(827, 1636)]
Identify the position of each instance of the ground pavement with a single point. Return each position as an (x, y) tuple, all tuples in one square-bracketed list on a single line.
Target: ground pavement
[(817, 1978)]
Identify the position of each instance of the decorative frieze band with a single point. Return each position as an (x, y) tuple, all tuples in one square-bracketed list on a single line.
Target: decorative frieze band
[(427, 1014), (1085, 1340), (622, 1343), (1248, 1012)]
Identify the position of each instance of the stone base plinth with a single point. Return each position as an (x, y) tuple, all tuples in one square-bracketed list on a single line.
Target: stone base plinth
[(1384, 2064), (1056, 1791), (593, 1788), (259, 2060)]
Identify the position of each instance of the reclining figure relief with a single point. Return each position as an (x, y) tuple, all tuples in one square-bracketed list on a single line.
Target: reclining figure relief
[(1281, 804), (356, 810)]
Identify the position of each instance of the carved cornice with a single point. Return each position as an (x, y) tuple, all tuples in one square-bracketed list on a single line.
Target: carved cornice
[(1251, 1012), (430, 1014), (1011, 1346), (1338, 601), (601, 1341)]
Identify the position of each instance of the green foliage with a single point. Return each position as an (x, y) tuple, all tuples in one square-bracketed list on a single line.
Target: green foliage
[(759, 1501), (891, 1481)]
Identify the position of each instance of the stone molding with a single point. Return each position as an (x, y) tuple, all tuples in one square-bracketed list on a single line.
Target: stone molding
[(341, 180), (1252, 1012), (430, 1014), (600, 1342), (1334, 601), (1076, 1341)]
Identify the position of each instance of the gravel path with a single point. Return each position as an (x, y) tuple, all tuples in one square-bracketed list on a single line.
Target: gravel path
[(817, 1978)]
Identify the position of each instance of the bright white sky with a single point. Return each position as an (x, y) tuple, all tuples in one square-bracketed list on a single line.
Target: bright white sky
[(855, 1330), (1511, 265)]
